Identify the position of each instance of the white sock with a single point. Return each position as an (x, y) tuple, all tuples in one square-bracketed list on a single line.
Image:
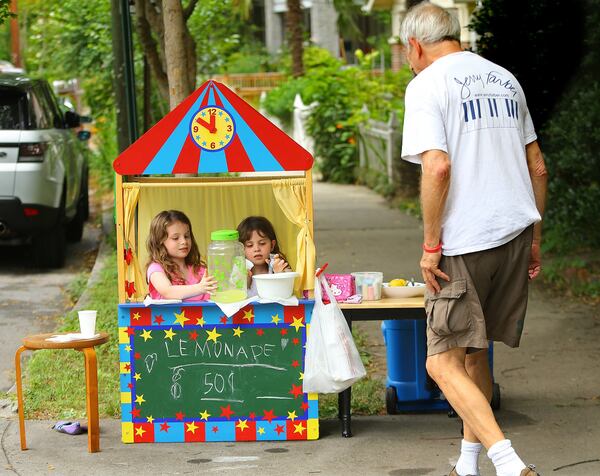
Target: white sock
[(505, 459), (467, 464)]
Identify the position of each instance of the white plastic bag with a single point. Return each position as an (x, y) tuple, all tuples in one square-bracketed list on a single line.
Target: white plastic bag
[(332, 362)]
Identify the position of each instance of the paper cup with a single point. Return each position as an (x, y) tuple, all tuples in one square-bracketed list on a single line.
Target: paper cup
[(87, 323)]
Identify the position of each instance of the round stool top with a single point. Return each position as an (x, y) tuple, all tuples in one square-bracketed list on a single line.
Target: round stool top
[(38, 341)]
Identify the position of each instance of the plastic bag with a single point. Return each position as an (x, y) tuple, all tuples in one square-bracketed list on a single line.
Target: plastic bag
[(332, 362)]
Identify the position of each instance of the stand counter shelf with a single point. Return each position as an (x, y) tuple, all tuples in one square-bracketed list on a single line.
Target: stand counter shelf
[(383, 309), (189, 373)]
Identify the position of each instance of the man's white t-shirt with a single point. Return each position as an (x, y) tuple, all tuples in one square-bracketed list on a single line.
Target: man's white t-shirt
[(475, 111)]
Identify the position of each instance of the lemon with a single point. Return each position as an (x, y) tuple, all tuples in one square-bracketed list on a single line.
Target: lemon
[(398, 282)]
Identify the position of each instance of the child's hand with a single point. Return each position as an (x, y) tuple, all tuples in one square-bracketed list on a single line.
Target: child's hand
[(279, 265), (208, 284)]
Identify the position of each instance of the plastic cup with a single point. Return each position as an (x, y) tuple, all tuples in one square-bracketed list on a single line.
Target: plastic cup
[(87, 323)]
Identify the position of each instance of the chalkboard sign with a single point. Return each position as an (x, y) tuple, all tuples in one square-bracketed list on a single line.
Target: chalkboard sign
[(189, 373)]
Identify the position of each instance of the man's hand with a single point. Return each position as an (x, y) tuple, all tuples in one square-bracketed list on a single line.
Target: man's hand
[(429, 269), (535, 260)]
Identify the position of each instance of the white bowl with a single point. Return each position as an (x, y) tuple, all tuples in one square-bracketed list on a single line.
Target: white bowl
[(275, 286), (417, 289)]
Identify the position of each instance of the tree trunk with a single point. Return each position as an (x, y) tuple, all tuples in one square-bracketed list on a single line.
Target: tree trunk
[(175, 52), (294, 21)]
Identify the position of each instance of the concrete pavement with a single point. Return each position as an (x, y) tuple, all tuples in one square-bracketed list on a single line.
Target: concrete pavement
[(550, 387)]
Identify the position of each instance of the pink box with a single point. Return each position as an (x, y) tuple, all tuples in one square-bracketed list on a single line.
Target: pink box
[(341, 285)]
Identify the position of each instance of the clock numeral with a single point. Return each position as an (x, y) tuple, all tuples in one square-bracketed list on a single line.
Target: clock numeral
[(229, 128), (195, 129), (212, 145), (212, 112)]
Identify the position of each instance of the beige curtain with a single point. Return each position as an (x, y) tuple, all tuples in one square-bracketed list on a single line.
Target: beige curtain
[(133, 271), (291, 197)]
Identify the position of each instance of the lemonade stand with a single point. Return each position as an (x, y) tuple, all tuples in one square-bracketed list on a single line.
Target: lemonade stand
[(189, 372)]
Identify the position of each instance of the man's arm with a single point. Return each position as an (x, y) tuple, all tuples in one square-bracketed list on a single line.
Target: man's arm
[(435, 180), (539, 180)]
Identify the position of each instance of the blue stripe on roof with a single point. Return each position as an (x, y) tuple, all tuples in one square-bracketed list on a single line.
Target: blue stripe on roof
[(261, 158), (165, 159), (212, 161)]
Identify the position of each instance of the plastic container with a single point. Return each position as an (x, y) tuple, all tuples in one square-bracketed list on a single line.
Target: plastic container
[(227, 264), (368, 285), (275, 286)]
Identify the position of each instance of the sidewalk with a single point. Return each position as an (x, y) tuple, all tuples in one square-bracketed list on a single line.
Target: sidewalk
[(550, 388)]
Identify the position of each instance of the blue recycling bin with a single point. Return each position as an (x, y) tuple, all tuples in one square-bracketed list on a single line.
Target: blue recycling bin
[(408, 387)]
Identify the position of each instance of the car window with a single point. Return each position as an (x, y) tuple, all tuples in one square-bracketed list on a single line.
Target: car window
[(12, 109), (53, 109), (39, 108)]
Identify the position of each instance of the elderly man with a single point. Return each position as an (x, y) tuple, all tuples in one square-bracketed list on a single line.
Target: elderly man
[(482, 192)]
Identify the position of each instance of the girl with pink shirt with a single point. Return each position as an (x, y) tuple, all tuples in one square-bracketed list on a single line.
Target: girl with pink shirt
[(175, 269)]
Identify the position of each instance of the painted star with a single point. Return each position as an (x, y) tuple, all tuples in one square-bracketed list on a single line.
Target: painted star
[(299, 428), (295, 341), (146, 335), (269, 415), (283, 332), (252, 415), (260, 430), (198, 138), (130, 331), (275, 319), (203, 113), (127, 348), (135, 412), (180, 415), (193, 335), (292, 415), (227, 411), (191, 427), (224, 320), (227, 136), (226, 119), (215, 429), (295, 363), (164, 427), (297, 324), (242, 425), (180, 318), (200, 321), (137, 376), (140, 431), (204, 415), (220, 113), (304, 406), (301, 376), (139, 399), (260, 332), (296, 390), (127, 367), (136, 316), (238, 332), (150, 419), (248, 315), (221, 142), (213, 335), (159, 320), (169, 334), (137, 356), (279, 429)]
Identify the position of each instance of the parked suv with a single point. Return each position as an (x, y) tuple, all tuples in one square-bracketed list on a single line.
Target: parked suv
[(43, 170)]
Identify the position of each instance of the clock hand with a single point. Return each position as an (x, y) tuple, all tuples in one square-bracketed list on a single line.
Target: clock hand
[(212, 123), (210, 126)]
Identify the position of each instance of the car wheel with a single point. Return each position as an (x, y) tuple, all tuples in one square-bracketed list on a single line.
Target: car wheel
[(49, 248), (75, 227)]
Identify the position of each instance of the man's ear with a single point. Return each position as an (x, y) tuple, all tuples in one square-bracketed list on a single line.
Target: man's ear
[(414, 44)]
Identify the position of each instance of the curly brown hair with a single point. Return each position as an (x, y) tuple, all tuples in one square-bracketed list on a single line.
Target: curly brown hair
[(263, 227), (157, 253)]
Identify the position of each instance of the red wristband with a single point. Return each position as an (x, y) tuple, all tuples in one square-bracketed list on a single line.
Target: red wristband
[(433, 250)]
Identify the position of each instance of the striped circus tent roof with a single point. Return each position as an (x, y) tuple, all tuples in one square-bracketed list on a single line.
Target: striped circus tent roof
[(212, 131)]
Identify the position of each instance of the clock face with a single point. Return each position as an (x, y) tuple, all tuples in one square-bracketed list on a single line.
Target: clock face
[(212, 128)]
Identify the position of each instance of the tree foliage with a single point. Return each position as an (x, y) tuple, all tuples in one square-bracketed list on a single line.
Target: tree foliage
[(539, 41), (4, 10)]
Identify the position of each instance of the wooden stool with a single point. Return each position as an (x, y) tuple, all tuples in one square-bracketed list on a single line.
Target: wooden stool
[(37, 342)]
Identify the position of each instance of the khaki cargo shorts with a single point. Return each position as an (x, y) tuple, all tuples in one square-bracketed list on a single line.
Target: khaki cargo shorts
[(485, 300)]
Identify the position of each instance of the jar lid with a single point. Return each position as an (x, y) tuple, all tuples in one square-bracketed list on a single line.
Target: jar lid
[(225, 235)]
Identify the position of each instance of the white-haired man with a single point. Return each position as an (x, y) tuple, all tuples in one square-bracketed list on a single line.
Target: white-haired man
[(482, 194)]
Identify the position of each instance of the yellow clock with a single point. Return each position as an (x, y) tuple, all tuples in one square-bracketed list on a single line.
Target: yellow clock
[(212, 128)]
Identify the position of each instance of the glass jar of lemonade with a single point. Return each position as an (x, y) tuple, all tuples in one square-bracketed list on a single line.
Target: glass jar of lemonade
[(227, 264)]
